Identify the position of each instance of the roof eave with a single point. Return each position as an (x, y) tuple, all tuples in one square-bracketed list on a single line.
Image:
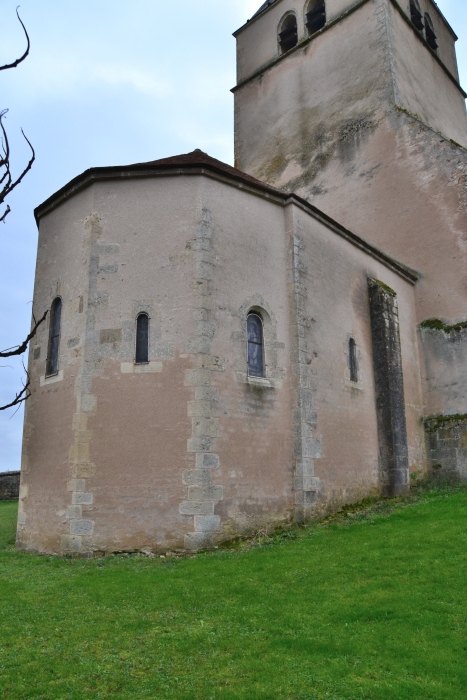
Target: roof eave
[(141, 170)]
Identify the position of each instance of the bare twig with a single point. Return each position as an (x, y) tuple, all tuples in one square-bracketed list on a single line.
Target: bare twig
[(5, 213), (7, 185), (25, 54), (6, 180), (19, 349), (21, 396)]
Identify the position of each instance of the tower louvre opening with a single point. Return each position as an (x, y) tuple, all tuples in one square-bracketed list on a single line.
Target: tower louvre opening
[(316, 17), (288, 36)]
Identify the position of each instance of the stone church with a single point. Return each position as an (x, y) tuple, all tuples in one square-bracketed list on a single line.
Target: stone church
[(233, 347)]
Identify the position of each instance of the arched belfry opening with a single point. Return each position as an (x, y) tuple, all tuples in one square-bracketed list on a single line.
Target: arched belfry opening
[(288, 33), (416, 15), (315, 17), (430, 35)]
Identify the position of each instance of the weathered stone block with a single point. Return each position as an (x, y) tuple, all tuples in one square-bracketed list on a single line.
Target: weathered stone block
[(197, 477), (306, 499), (70, 543), (206, 301), (84, 471), (197, 346), (200, 315), (203, 328), (205, 426), (76, 485), (205, 493), (74, 513), (204, 230), (208, 461), (212, 363), (88, 403), (305, 468), (83, 436), (201, 287), (198, 540), (306, 483), (308, 447), (207, 523), (80, 421), (200, 409), (82, 499), (197, 508), (199, 444), (79, 453), (81, 527), (197, 377), (204, 271), (203, 254), (110, 335)]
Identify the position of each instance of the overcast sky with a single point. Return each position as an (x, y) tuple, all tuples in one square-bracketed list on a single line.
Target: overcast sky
[(110, 82)]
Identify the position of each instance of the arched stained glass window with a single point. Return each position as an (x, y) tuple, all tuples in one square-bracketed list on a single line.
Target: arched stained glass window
[(142, 339), (353, 360), (54, 337), (255, 346)]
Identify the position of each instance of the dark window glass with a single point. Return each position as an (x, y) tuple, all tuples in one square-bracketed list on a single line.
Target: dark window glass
[(316, 16), (430, 33), (416, 15), (288, 36), (142, 339), (255, 346), (353, 361), (54, 337)]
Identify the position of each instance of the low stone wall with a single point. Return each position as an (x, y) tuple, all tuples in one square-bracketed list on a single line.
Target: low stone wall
[(9, 486), (447, 446)]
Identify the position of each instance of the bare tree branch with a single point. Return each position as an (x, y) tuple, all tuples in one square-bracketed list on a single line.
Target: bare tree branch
[(19, 349), (7, 185), (21, 396), (5, 213), (6, 180), (25, 54)]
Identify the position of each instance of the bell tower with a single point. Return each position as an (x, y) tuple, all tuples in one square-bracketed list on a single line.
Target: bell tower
[(356, 106), (359, 110)]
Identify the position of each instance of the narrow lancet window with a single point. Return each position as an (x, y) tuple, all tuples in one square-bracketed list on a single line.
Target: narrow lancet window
[(431, 38), (416, 15), (315, 16), (353, 360), (288, 34), (54, 337), (142, 339), (255, 346)]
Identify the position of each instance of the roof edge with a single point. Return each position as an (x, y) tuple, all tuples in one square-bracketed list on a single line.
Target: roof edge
[(141, 170), (253, 19), (147, 170)]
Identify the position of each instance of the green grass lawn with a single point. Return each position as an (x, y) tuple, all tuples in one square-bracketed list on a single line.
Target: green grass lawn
[(373, 606)]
